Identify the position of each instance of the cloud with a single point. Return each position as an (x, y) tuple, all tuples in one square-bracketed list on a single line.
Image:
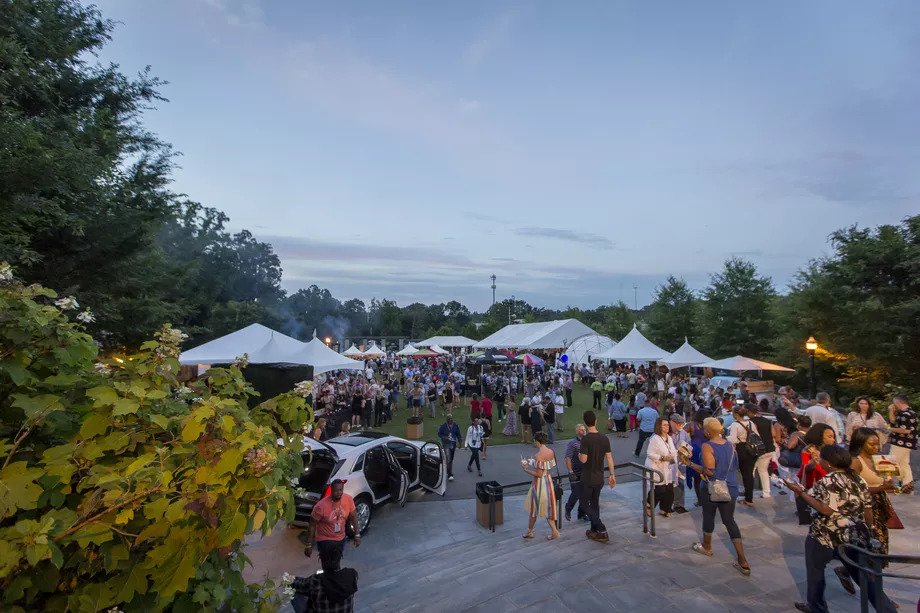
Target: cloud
[(245, 13), (469, 106), (583, 238), (492, 36)]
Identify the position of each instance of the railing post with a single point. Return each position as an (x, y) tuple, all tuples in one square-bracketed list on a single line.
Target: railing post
[(863, 581), (644, 497), (651, 476), (559, 506), (491, 508)]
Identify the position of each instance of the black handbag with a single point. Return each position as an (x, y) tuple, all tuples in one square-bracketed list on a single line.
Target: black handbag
[(557, 482)]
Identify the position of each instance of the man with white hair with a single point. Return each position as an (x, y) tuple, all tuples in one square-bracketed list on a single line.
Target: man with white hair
[(823, 413)]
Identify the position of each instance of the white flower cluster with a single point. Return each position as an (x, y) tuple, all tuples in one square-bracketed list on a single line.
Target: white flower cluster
[(67, 304), (304, 388), (286, 588), (182, 392), (170, 338), (86, 316), (102, 369), (6, 272), (241, 361)]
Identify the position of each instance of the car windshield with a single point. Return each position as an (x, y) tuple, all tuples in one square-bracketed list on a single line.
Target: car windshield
[(353, 441)]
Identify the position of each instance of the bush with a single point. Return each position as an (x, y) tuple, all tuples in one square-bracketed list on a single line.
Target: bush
[(121, 487)]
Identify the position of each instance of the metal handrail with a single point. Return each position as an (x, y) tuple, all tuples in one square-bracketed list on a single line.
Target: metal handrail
[(870, 563), (645, 473)]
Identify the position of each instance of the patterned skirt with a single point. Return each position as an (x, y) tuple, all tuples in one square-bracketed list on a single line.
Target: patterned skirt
[(541, 499)]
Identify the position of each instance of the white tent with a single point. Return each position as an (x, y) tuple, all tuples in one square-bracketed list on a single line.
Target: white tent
[(542, 335), (375, 351), (634, 348), (584, 349), (437, 349), (227, 348), (321, 358), (407, 350), (447, 341), (352, 351), (740, 363), (686, 355), (275, 351)]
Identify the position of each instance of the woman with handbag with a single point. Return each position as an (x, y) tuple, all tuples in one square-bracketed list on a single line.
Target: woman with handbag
[(661, 456), (541, 499), (718, 491), (865, 443)]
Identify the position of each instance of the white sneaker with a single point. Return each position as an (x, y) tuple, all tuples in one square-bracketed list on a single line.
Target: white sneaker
[(450, 478)]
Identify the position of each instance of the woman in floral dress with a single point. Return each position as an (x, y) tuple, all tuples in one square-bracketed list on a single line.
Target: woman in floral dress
[(511, 416), (541, 499)]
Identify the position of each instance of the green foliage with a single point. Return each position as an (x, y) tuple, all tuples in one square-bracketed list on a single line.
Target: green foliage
[(121, 487), (736, 318), (672, 316), (618, 321)]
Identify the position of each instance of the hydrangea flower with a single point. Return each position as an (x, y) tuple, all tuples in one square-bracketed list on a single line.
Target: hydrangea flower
[(86, 316), (67, 304), (304, 388), (102, 369), (6, 272), (241, 361)]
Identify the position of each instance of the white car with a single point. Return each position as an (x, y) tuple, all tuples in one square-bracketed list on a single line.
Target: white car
[(376, 467)]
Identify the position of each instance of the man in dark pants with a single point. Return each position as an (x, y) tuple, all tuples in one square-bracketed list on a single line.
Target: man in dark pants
[(449, 433), (595, 448), (574, 466)]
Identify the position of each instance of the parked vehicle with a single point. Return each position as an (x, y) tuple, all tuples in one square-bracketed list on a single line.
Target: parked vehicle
[(377, 468)]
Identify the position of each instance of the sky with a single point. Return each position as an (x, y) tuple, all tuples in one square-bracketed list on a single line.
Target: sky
[(580, 152)]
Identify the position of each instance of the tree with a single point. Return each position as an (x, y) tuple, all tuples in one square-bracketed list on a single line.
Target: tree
[(618, 320), (672, 315), (737, 314), (121, 487)]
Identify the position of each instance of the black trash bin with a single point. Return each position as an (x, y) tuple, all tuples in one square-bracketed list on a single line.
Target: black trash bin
[(482, 503)]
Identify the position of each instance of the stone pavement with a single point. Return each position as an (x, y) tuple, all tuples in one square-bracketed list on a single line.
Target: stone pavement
[(432, 556)]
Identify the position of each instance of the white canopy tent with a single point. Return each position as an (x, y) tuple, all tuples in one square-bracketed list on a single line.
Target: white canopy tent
[(437, 349), (542, 335), (586, 348), (740, 363), (375, 351), (352, 351), (447, 341), (250, 339), (321, 358), (407, 350), (686, 355), (634, 348), (275, 351)]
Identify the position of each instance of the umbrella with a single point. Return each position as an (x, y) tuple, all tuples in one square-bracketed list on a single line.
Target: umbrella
[(739, 363), (530, 359)]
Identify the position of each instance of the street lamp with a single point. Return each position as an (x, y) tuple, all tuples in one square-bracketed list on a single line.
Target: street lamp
[(811, 345), (328, 341)]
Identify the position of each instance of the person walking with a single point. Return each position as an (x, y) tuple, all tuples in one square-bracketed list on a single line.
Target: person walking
[(559, 407), (718, 470), (536, 415), (541, 499), (329, 520), (764, 428), (595, 450), (679, 436), (738, 434), (499, 398), (661, 456), (511, 423), (574, 466), (843, 514), (567, 383), (632, 410), (647, 416), (332, 589), (549, 417), (616, 412), (449, 433), (903, 439), (524, 414), (474, 444)]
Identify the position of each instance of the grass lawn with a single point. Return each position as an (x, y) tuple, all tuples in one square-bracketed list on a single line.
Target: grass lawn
[(581, 401)]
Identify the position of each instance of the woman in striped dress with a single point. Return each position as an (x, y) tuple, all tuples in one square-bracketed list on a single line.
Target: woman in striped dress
[(541, 499)]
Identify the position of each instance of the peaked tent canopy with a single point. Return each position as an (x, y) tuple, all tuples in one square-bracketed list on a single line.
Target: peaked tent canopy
[(321, 358), (275, 351), (685, 355), (438, 350), (542, 335), (227, 348), (634, 348), (586, 348), (352, 351), (375, 351), (407, 350), (739, 363), (447, 341)]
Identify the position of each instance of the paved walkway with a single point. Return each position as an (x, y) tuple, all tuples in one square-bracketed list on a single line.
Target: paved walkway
[(432, 556)]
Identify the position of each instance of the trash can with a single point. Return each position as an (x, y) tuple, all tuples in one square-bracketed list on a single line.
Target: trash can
[(482, 503)]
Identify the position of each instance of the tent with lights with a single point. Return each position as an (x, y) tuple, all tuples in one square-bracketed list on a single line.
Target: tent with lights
[(352, 352)]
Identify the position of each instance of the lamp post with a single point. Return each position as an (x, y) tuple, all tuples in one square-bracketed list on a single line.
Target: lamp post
[(811, 345), (328, 341), (510, 306)]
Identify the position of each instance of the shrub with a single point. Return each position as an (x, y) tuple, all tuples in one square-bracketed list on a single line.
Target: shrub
[(121, 487)]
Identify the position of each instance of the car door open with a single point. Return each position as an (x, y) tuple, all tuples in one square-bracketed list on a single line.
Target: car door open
[(432, 468), (399, 481)]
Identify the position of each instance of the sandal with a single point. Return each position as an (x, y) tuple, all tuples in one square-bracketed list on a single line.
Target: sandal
[(664, 514), (698, 547), (528, 534), (552, 537), (744, 570), (845, 580)]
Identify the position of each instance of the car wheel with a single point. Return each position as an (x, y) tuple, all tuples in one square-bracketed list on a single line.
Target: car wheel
[(364, 508)]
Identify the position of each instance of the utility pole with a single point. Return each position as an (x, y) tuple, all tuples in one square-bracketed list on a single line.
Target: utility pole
[(636, 295), (493, 288), (510, 306)]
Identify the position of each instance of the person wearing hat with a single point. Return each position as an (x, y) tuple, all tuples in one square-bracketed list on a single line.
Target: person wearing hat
[(680, 436)]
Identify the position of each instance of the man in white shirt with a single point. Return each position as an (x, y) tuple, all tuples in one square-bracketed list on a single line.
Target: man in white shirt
[(823, 413)]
